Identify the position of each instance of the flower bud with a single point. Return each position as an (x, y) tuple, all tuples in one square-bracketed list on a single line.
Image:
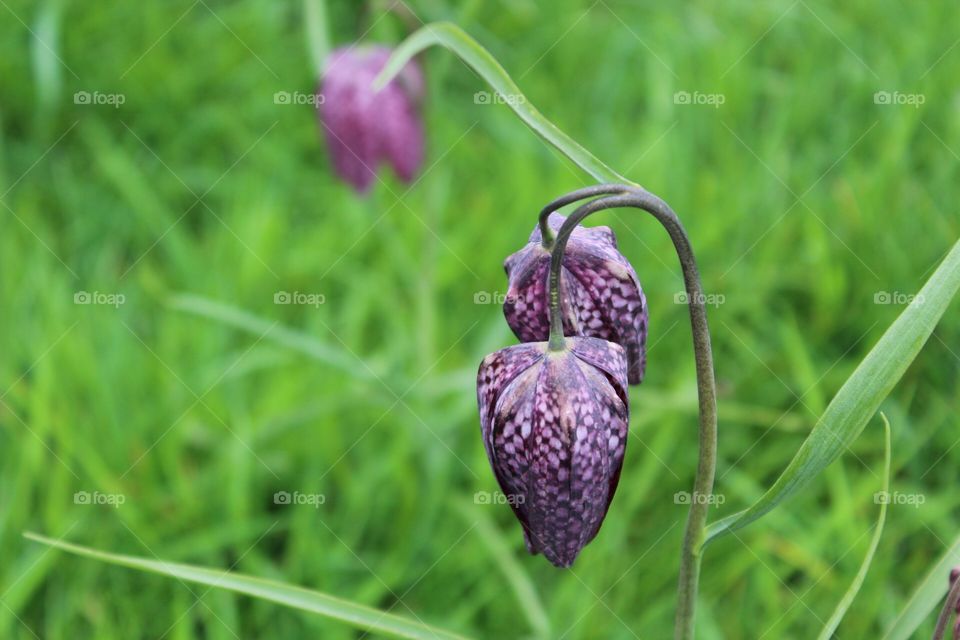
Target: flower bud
[(364, 127), (600, 293), (554, 424)]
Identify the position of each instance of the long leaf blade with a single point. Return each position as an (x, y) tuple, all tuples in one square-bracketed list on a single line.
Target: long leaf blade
[(860, 396), (272, 331), (356, 615), (847, 599), (459, 42)]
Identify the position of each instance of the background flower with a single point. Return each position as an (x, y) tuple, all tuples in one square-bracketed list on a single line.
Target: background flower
[(365, 128)]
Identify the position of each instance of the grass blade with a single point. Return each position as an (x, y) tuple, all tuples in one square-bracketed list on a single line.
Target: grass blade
[(356, 615), (528, 600), (860, 396), (274, 332), (847, 600), (459, 42), (317, 28)]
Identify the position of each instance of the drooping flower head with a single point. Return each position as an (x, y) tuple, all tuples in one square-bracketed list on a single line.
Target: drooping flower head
[(554, 424), (365, 128), (600, 293), (554, 415)]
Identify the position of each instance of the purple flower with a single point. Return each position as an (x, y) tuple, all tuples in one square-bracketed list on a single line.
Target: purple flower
[(599, 291), (365, 128), (554, 425)]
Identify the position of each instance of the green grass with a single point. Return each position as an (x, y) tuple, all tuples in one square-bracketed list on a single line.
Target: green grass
[(199, 398)]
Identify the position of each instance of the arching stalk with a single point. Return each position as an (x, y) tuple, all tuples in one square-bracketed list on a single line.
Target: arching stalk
[(632, 197)]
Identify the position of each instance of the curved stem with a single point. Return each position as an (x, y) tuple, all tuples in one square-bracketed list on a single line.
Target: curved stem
[(953, 597), (546, 232), (628, 196)]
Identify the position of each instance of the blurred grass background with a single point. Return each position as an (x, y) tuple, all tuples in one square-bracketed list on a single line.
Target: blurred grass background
[(199, 198)]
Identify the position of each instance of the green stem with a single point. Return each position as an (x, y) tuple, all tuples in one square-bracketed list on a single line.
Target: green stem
[(575, 196), (948, 608), (628, 196), (318, 39)]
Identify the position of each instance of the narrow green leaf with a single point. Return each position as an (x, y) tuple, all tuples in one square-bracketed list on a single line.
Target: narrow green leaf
[(45, 49), (860, 396), (847, 600), (528, 600), (274, 332), (926, 596), (455, 39), (356, 615)]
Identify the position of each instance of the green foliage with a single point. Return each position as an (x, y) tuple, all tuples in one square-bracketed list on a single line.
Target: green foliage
[(844, 604), (304, 599), (504, 88), (200, 198), (860, 396)]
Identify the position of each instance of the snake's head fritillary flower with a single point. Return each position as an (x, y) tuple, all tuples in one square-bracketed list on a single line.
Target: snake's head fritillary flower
[(600, 293), (365, 128), (554, 424)]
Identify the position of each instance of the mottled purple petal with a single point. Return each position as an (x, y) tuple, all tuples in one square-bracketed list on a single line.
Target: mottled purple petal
[(555, 427), (527, 304), (509, 444), (601, 294), (619, 313), (606, 356), (496, 372), (614, 414)]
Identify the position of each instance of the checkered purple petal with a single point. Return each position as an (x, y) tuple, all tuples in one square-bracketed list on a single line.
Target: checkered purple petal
[(601, 294), (555, 428)]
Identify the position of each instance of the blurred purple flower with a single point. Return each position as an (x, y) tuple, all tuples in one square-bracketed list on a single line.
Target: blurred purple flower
[(554, 425), (365, 128), (600, 293)]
